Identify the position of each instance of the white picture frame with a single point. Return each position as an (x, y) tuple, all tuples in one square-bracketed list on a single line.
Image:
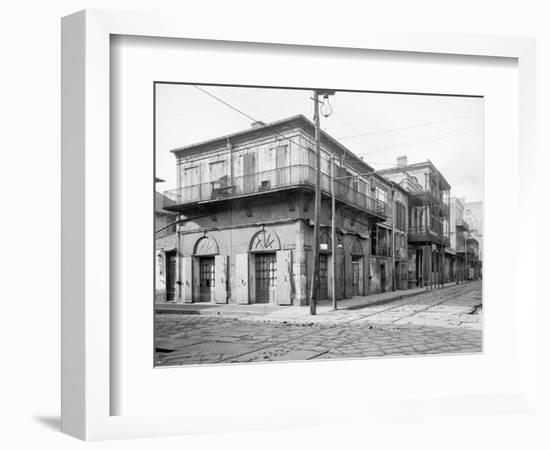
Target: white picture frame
[(86, 254)]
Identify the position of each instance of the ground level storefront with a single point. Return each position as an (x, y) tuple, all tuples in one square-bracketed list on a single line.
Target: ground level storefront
[(271, 265)]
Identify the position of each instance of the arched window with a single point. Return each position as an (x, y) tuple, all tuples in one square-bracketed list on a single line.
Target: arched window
[(265, 241), (356, 248), (206, 246)]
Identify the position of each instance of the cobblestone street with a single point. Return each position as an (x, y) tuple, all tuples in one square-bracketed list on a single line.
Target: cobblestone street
[(440, 321)]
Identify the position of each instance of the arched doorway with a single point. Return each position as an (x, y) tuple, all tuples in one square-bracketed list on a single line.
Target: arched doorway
[(204, 279), (264, 246)]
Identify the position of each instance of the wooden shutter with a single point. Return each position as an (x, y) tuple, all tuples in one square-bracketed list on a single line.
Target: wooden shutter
[(284, 277), (187, 279), (220, 285), (241, 278), (348, 276)]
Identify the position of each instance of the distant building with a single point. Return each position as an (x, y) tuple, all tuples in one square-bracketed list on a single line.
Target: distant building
[(165, 249), (246, 210), (473, 214), (473, 260), (429, 226), (457, 248)]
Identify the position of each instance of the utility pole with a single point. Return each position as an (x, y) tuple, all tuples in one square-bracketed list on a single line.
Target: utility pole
[(333, 231), (315, 278), (393, 236), (327, 110), (466, 254)]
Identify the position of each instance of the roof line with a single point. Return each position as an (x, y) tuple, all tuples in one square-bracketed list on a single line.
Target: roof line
[(298, 117)]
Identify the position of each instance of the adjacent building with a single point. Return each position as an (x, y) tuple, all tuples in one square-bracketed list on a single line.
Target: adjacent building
[(457, 249), (165, 249), (429, 227)]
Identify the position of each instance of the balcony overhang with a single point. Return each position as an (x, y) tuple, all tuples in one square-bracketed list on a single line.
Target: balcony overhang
[(224, 197)]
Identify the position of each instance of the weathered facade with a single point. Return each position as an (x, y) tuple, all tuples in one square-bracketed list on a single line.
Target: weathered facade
[(429, 226), (245, 205)]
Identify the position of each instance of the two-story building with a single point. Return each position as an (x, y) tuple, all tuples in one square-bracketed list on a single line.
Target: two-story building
[(245, 204), (428, 228)]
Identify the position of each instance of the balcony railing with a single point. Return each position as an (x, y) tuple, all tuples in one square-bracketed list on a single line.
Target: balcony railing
[(271, 180), (381, 251), (462, 225), (430, 233), (430, 198)]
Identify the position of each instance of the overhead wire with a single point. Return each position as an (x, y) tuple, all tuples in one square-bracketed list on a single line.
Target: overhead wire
[(372, 133), (425, 139)]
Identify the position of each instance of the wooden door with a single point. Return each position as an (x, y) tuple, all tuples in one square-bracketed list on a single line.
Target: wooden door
[(170, 276), (249, 173), (356, 276), (282, 165), (323, 276), (207, 281), (266, 277), (191, 184)]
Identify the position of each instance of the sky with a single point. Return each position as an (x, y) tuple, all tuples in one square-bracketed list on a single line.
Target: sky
[(376, 126)]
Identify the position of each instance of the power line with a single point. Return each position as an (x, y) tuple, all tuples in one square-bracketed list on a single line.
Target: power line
[(372, 133), (250, 117), (426, 139), (225, 103), (255, 120), (358, 135)]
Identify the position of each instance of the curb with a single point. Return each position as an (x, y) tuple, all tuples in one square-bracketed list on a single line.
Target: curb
[(236, 314)]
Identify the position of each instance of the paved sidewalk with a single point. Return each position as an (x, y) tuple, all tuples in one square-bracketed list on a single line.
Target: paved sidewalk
[(276, 312)]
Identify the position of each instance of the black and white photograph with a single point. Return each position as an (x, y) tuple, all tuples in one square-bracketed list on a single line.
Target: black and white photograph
[(313, 224)]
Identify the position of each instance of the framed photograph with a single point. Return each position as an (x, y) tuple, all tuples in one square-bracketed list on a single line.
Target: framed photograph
[(255, 224)]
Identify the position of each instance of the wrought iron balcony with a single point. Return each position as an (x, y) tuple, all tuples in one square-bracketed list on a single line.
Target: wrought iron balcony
[(270, 181), (428, 198), (381, 250), (462, 225), (433, 233)]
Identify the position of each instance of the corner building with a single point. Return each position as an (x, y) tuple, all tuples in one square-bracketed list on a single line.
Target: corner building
[(245, 204)]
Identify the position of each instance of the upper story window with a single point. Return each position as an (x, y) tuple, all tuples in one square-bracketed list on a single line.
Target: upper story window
[(217, 170), (381, 194)]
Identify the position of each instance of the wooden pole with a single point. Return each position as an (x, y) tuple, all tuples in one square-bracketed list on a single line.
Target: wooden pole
[(315, 278), (333, 226)]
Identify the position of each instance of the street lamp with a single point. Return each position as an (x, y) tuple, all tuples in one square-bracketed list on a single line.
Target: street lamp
[(326, 107)]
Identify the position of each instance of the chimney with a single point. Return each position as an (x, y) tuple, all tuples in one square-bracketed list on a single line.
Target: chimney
[(402, 161), (257, 124)]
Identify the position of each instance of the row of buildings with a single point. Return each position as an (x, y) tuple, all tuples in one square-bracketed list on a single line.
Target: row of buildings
[(239, 227)]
